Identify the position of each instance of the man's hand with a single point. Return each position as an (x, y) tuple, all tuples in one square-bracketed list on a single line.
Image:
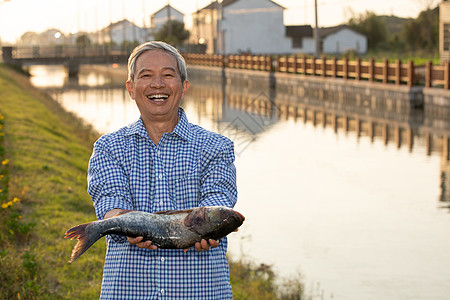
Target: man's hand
[(141, 244), (134, 241), (204, 245)]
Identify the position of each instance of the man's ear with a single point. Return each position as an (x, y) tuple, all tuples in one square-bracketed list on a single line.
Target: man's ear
[(185, 88), (130, 90)]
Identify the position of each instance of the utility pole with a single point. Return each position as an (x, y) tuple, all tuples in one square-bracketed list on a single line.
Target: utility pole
[(316, 33), (169, 22), (219, 41)]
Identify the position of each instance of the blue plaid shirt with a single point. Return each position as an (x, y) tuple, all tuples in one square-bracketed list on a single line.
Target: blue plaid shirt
[(189, 167)]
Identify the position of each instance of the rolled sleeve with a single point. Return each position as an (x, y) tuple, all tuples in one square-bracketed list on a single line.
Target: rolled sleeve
[(218, 184), (107, 182)]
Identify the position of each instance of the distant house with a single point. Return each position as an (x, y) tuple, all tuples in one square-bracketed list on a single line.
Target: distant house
[(254, 26), (29, 38), (301, 37), (120, 32), (333, 40), (444, 30), (159, 18)]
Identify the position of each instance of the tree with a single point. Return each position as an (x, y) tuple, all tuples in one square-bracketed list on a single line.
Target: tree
[(372, 26), (83, 41), (423, 32), (172, 33)]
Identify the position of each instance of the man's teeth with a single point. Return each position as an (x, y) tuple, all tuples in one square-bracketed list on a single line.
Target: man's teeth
[(158, 97)]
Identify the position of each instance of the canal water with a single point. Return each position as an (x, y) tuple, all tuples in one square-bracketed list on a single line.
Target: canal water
[(357, 206)]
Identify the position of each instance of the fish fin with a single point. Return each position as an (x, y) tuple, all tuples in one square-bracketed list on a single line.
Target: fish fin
[(173, 212), (84, 239)]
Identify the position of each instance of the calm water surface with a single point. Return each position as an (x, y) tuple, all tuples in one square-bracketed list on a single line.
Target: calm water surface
[(360, 216)]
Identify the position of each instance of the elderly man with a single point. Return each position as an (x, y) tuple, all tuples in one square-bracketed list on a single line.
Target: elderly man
[(161, 162)]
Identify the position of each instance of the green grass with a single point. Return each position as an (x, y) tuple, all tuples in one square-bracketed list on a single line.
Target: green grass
[(48, 150), (45, 151)]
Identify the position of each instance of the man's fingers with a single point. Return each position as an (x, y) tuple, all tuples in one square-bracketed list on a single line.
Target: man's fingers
[(135, 240), (198, 247), (205, 245), (214, 243), (141, 244)]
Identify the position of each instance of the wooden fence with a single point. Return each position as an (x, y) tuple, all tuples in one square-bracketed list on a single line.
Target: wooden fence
[(397, 72)]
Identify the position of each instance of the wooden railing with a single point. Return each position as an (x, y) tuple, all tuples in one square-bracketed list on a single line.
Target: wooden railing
[(437, 75), (397, 72)]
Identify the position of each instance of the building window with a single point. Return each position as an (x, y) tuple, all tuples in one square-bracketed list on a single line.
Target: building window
[(446, 36), (297, 42)]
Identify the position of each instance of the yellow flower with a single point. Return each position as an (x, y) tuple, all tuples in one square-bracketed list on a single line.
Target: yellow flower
[(1, 191), (5, 161), (1, 177), (7, 204), (15, 199), (2, 134)]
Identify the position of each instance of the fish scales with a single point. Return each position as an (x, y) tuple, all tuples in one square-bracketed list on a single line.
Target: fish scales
[(167, 230)]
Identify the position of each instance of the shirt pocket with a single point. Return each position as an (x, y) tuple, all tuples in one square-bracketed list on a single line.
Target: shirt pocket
[(187, 191)]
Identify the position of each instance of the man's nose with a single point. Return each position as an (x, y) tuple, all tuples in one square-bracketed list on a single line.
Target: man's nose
[(157, 82)]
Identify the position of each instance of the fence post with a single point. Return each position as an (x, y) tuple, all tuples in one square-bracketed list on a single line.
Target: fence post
[(358, 68), (324, 66), (313, 66), (277, 63), (411, 79), (304, 64), (398, 71), (294, 64), (446, 74), (428, 72), (385, 70), (334, 67), (269, 63), (345, 68), (371, 69)]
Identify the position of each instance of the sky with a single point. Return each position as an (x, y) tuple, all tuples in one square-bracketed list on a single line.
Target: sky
[(20, 16)]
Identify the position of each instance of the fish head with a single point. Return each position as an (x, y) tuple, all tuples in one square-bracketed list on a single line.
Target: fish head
[(214, 221)]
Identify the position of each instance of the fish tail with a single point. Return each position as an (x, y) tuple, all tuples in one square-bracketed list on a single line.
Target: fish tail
[(85, 240)]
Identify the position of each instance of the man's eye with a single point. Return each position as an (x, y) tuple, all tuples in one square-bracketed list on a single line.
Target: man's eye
[(168, 75)]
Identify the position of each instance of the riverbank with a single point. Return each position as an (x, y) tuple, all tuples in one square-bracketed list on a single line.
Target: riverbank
[(44, 152), (47, 150)]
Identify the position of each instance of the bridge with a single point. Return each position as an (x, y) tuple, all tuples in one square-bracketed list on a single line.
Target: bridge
[(72, 57)]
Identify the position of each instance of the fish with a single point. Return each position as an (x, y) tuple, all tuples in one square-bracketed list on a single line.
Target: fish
[(171, 229)]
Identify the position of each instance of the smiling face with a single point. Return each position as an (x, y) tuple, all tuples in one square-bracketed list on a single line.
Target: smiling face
[(157, 87)]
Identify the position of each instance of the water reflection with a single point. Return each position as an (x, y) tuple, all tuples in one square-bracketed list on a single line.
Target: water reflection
[(348, 192), (250, 113)]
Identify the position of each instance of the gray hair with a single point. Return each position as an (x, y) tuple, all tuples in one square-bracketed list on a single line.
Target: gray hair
[(154, 45)]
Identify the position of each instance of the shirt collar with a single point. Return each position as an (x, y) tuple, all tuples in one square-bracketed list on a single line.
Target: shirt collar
[(182, 129), (183, 126)]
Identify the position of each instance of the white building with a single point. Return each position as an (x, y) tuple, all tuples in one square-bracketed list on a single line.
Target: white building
[(254, 26), (257, 26), (340, 39), (122, 31), (160, 17), (333, 40)]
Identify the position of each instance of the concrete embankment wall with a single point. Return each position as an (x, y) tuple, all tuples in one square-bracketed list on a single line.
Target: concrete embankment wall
[(399, 98)]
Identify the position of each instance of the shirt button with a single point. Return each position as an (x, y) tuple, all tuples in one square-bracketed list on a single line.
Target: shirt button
[(160, 176), (162, 291), (162, 259), (161, 202)]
